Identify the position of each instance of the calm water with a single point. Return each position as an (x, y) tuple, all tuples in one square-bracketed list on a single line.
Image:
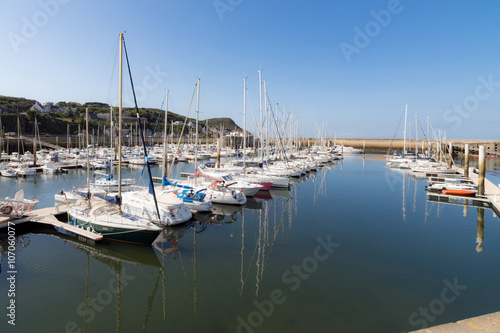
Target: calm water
[(355, 247)]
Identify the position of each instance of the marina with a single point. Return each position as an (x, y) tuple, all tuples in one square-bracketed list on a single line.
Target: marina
[(249, 167)]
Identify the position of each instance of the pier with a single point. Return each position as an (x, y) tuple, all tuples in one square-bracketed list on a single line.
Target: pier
[(47, 216), (489, 323), (491, 193)]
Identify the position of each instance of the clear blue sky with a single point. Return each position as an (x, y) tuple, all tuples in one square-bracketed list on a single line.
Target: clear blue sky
[(351, 64)]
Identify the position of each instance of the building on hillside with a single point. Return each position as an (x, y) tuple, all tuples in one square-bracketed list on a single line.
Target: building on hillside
[(38, 107), (49, 107)]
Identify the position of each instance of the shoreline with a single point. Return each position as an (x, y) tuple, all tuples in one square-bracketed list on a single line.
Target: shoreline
[(369, 145)]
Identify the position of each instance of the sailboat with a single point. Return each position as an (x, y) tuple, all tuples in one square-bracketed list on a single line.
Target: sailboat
[(109, 219), (191, 195)]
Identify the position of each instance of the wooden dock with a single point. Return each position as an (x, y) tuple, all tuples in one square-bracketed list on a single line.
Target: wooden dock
[(491, 193), (47, 216)]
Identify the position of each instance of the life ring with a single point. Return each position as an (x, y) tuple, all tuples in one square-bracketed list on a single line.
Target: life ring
[(7, 209)]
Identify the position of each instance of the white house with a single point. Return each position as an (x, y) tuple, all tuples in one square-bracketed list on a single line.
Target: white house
[(38, 107)]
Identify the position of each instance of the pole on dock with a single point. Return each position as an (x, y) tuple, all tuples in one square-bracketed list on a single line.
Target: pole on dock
[(466, 161), (364, 145), (482, 169)]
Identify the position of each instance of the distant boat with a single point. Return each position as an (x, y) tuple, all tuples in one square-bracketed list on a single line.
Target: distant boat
[(23, 170), (8, 172)]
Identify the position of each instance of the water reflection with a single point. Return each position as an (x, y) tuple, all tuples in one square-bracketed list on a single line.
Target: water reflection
[(177, 271), (480, 230)]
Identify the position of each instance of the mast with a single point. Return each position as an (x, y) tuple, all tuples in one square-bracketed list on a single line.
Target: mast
[(165, 150), (428, 139), (267, 121), (141, 131), (284, 127), (404, 133), (87, 150), (244, 122), (120, 121), (1, 135), (111, 128), (197, 112), (34, 145), (261, 136), (416, 136), (18, 138)]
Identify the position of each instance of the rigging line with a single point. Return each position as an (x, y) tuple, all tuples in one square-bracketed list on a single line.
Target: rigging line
[(439, 144), (102, 72), (421, 128), (280, 139), (113, 71), (395, 133), (153, 134), (156, 125), (251, 107), (151, 186), (182, 131)]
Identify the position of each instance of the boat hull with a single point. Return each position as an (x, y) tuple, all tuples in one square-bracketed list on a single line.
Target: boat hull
[(142, 236)]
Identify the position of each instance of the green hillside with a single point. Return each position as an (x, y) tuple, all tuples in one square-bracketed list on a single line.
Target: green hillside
[(72, 113)]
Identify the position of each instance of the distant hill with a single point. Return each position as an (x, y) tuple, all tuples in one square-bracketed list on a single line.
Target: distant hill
[(227, 123), (14, 104), (73, 113)]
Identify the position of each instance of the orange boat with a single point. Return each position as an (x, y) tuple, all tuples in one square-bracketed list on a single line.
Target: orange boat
[(490, 156), (459, 192)]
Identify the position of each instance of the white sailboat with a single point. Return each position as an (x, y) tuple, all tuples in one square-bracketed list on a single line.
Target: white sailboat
[(109, 219), (192, 194)]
